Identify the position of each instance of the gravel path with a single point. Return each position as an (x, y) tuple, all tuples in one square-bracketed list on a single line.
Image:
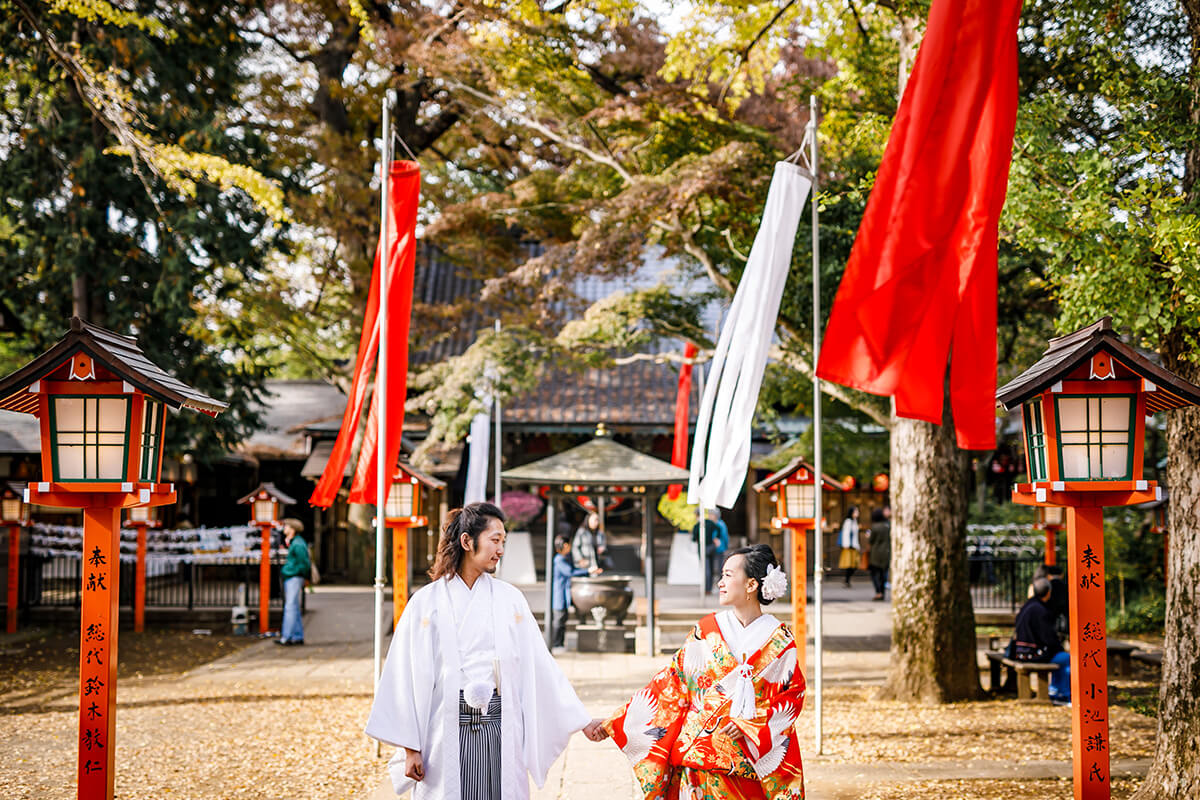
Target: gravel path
[(218, 718)]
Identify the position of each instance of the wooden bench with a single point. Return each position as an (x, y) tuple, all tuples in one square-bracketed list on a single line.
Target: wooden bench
[(1122, 652), (1022, 669), (996, 667)]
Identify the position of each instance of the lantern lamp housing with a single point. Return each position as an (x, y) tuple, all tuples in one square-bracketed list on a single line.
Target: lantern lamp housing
[(1083, 407), (794, 491), (400, 500), (13, 509), (404, 497), (265, 503), (1051, 517), (142, 515), (102, 408)]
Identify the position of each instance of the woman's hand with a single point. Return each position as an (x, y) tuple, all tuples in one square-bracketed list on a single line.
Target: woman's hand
[(594, 731), (413, 766)]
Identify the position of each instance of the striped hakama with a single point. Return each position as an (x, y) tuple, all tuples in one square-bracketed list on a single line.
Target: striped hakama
[(479, 750)]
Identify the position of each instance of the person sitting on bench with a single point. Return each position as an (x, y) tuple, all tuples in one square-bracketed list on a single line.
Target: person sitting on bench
[(1035, 639)]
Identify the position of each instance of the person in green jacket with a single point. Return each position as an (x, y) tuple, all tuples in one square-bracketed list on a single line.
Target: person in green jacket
[(295, 572)]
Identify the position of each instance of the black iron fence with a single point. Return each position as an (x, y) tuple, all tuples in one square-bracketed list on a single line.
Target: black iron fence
[(1001, 582), (55, 581)]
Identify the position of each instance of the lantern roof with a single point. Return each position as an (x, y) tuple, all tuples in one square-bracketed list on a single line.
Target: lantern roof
[(12, 486), (1067, 353), (423, 478), (600, 462), (271, 492), (120, 355), (792, 467)]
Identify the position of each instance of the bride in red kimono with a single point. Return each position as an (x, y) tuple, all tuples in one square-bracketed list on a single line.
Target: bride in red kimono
[(717, 722)]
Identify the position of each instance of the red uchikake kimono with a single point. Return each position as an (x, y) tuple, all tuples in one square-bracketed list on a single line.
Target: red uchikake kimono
[(670, 729)]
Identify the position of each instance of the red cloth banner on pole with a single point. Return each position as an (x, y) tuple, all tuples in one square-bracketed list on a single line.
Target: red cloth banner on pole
[(920, 285), (401, 257), (679, 450)]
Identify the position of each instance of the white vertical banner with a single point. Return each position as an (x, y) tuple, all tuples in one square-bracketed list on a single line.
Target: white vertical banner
[(478, 457), (721, 449)]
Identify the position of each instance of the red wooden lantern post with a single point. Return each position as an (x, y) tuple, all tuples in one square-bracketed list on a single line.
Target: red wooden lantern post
[(1051, 520), (794, 489), (101, 404), (401, 514), (1084, 407), (265, 504), (14, 514), (140, 518)]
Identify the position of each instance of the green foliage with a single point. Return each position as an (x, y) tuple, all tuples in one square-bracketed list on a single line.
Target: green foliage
[(682, 516), (1096, 192), (1146, 614), (89, 233)]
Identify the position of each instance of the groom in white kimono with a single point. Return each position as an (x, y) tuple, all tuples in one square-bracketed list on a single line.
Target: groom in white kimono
[(469, 694)]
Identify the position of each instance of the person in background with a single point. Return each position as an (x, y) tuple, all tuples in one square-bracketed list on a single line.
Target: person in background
[(879, 554), (848, 540), (295, 572), (1034, 639), (717, 534), (560, 598), (589, 547)]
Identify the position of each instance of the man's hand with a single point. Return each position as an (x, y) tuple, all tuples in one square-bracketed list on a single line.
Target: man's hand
[(413, 766), (732, 731), (594, 731)]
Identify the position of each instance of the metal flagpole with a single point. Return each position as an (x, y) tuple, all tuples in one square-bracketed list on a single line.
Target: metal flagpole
[(818, 545), (381, 387), (703, 534), (496, 406)]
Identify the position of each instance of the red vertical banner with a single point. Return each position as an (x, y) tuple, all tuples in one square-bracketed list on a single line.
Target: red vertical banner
[(139, 581), (14, 575), (1089, 653), (399, 572), (405, 195), (679, 449), (98, 651), (264, 581), (1051, 547), (400, 262)]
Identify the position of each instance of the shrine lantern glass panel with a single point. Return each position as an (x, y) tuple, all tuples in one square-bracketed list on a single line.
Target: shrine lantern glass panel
[(1035, 440), (400, 500), (153, 420), (799, 499), (89, 437), (12, 509), (1095, 436), (264, 510)]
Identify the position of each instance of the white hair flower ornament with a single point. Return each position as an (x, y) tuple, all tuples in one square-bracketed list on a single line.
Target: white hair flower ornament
[(774, 585)]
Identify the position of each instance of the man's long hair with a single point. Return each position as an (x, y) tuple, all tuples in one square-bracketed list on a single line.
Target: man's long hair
[(471, 519)]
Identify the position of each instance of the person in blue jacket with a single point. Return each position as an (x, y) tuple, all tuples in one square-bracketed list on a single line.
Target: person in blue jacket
[(560, 597)]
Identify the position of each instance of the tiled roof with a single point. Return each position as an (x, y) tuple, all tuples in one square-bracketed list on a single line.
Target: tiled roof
[(640, 393), (290, 409)]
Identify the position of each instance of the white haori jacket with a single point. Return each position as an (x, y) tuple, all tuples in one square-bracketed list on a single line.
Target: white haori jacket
[(416, 705)]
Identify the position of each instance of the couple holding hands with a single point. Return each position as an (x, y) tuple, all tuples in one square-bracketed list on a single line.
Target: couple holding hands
[(475, 703)]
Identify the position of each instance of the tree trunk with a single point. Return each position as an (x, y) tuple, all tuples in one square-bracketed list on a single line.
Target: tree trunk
[(1176, 769), (933, 627), (1175, 772)]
